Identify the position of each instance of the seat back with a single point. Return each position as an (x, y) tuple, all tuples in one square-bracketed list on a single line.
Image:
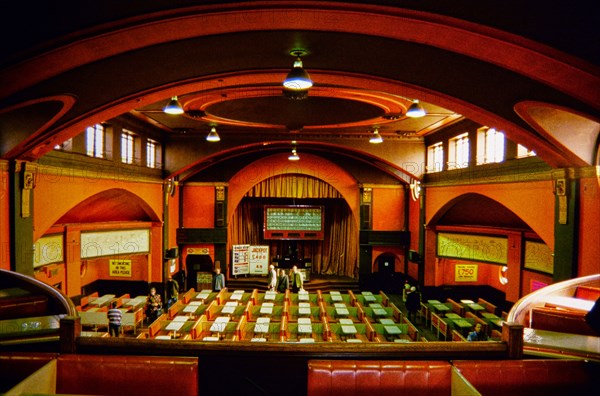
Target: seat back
[(353, 377)]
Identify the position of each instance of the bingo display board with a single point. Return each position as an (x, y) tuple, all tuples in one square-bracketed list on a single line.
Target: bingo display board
[(293, 222)]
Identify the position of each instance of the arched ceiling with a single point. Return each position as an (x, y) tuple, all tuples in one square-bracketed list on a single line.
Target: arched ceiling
[(226, 61)]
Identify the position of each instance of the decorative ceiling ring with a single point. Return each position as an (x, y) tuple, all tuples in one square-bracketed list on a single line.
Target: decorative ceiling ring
[(220, 107)]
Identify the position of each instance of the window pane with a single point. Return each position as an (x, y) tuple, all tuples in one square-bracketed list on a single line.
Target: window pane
[(151, 154), (94, 141), (127, 147), (435, 157)]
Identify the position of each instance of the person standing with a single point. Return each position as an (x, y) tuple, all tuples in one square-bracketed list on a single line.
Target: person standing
[(413, 303), (297, 282), (172, 291), (153, 305), (405, 290), (219, 280), (272, 278), (114, 320), (283, 282)]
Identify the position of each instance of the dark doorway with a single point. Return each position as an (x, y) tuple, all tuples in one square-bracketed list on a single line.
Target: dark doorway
[(386, 264), (198, 264), (386, 269)]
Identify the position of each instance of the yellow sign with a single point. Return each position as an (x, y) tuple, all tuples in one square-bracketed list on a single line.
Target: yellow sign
[(120, 268), (465, 273)]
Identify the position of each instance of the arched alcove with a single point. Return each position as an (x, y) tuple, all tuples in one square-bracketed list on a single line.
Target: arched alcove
[(315, 181), (114, 204)]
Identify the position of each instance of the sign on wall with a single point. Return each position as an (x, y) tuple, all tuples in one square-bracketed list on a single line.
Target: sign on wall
[(473, 247), (48, 250), (240, 261), (465, 273), (539, 257), (121, 268), (259, 260), (114, 243)]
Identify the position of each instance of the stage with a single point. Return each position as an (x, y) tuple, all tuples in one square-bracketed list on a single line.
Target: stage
[(317, 281)]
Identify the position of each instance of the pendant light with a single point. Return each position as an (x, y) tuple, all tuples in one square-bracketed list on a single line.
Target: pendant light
[(376, 137), (173, 107), (213, 136), (415, 110), (294, 156), (298, 78)]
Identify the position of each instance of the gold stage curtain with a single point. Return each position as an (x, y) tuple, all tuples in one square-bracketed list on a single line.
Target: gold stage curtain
[(336, 254), (293, 186)]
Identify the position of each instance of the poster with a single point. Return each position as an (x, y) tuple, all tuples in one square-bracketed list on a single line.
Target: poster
[(240, 262), (259, 260), (465, 273), (472, 247)]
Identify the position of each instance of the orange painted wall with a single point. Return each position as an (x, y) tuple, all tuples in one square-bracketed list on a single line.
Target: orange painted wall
[(414, 223), (4, 218), (199, 206), (487, 274), (527, 277), (388, 209), (99, 269), (589, 227), (533, 202), (55, 195)]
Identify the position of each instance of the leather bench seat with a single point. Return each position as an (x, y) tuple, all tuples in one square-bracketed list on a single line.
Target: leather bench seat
[(356, 377), (126, 375), (530, 377)]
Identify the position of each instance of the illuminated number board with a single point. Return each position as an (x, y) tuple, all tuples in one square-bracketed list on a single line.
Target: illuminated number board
[(293, 222)]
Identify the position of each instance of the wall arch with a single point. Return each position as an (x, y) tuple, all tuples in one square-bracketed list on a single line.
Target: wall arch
[(55, 196), (533, 203)]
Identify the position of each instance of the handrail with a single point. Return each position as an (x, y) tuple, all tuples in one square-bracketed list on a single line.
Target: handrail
[(65, 302), (538, 298)]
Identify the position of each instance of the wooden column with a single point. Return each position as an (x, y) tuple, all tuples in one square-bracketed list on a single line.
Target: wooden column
[(70, 329), (512, 334)]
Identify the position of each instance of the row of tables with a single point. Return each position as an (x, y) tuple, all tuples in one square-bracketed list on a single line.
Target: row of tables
[(304, 323), (462, 323)]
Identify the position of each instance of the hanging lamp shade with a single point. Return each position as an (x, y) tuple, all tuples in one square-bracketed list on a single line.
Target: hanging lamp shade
[(294, 156), (173, 107), (415, 110), (298, 78), (213, 136), (376, 137)]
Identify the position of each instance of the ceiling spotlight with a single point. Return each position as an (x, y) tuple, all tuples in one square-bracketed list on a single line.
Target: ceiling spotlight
[(415, 110), (376, 137), (213, 136), (294, 156), (173, 107), (298, 79)]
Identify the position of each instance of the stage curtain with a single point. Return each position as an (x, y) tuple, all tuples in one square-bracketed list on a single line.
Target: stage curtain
[(337, 254), (293, 186)]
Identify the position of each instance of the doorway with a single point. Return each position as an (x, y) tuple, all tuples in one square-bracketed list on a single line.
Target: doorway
[(199, 268)]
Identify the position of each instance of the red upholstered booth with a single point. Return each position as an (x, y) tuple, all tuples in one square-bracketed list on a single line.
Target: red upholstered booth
[(381, 378), (126, 375), (531, 377)]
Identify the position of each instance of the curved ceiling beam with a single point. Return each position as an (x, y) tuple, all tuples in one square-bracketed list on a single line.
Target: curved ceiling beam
[(529, 58), (43, 143), (386, 167)]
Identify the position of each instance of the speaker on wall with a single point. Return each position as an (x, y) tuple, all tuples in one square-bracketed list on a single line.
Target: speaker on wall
[(172, 253), (413, 256)]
